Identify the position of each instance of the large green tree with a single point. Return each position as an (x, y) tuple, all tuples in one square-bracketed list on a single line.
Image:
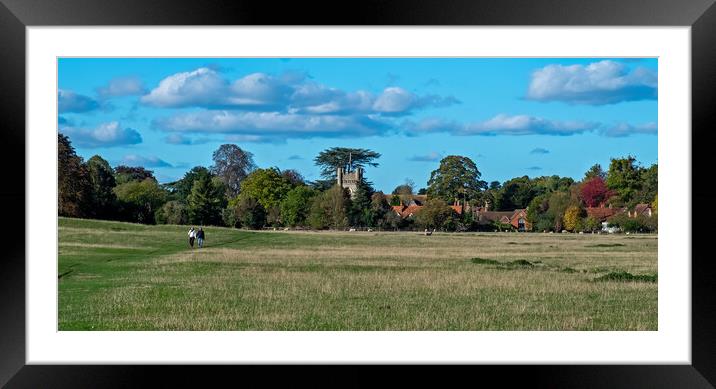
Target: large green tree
[(457, 178), (182, 188), (249, 212), (293, 176), (330, 209), (124, 174), (140, 199), (381, 211), (516, 193), (405, 189), (547, 184), (73, 182), (206, 201), (361, 213), (232, 165), (649, 184), (558, 204), (101, 178), (594, 172), (347, 158), (267, 186), (624, 177), (296, 206), (537, 214)]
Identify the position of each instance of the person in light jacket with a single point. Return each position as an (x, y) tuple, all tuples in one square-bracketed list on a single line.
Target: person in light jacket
[(192, 235)]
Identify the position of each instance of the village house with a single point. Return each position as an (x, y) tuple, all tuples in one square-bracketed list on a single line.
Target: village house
[(412, 204), (415, 204), (603, 214), (640, 210), (516, 218)]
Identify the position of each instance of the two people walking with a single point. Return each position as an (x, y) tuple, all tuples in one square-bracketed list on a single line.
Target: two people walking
[(198, 235)]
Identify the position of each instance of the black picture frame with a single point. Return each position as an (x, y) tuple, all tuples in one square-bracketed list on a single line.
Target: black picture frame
[(15, 15)]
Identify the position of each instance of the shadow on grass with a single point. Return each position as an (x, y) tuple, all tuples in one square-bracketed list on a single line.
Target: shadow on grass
[(539, 265), (622, 276), (606, 245)]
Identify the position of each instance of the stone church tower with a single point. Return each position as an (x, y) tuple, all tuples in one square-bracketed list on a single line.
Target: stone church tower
[(348, 179)]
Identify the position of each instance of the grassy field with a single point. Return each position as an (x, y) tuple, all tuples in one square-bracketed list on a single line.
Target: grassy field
[(121, 276)]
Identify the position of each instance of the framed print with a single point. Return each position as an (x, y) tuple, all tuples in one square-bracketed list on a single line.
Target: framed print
[(317, 165)]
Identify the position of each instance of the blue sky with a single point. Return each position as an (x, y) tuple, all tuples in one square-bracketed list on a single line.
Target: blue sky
[(512, 116)]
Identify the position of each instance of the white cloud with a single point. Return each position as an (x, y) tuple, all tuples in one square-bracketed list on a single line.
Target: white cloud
[(179, 139), (430, 157), (626, 129), (502, 124), (69, 101), (395, 99), (260, 89), (539, 150), (122, 86), (105, 135), (201, 87), (429, 125), (138, 160), (288, 92), (240, 138), (604, 82), (272, 125)]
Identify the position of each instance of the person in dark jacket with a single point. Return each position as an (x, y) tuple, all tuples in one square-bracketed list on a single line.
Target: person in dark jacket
[(200, 237)]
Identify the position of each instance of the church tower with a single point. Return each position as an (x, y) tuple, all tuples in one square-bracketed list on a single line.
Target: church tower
[(349, 179)]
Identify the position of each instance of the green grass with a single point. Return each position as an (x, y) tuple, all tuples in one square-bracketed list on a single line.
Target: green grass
[(121, 276)]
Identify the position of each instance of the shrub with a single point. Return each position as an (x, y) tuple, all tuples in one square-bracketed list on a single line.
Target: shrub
[(591, 224), (573, 218), (173, 212), (435, 214), (630, 224), (483, 261), (228, 215)]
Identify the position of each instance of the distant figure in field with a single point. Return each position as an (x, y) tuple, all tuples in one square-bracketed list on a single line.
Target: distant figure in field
[(428, 233), (200, 237), (192, 235)]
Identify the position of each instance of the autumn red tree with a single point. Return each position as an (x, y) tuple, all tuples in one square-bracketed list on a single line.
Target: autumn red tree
[(594, 192)]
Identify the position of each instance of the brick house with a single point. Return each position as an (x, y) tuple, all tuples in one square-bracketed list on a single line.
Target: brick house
[(640, 210), (519, 220), (416, 204)]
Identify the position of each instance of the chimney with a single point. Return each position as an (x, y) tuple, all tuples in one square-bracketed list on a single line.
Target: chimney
[(339, 176)]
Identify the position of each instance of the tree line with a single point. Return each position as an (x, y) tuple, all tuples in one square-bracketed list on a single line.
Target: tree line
[(235, 192)]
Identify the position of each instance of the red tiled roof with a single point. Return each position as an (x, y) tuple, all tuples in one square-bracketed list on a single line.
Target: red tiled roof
[(410, 210), (602, 213), (493, 216), (641, 208)]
